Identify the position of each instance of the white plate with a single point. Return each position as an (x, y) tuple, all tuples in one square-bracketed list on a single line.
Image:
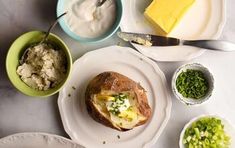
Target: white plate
[(204, 20), (83, 129), (36, 140)]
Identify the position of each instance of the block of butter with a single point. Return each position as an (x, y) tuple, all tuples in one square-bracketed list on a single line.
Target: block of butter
[(164, 15)]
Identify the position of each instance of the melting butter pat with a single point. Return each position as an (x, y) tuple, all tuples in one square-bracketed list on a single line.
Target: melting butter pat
[(166, 14)]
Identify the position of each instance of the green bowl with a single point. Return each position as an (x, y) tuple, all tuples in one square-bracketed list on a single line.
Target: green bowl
[(17, 49)]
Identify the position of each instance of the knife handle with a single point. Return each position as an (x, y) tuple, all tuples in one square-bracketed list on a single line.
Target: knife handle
[(211, 44), (163, 41)]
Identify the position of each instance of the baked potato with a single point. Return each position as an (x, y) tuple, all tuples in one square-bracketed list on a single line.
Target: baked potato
[(116, 101)]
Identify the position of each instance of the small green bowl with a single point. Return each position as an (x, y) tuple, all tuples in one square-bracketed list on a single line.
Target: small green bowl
[(17, 49)]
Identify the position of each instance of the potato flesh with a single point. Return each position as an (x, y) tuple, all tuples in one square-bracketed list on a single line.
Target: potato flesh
[(121, 122)]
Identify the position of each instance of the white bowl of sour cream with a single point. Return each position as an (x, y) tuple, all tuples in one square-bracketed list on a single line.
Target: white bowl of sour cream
[(87, 22)]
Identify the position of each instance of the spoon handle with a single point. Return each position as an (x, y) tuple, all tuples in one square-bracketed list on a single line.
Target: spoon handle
[(100, 3), (51, 27)]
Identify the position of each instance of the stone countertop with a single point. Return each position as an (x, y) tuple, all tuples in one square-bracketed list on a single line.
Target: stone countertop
[(20, 113)]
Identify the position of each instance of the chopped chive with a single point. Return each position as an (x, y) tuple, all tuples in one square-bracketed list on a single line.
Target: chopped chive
[(192, 84), (119, 43)]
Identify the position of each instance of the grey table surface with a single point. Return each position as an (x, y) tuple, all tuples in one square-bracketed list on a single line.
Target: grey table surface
[(20, 113)]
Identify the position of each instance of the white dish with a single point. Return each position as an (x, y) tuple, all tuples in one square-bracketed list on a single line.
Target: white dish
[(205, 20), (83, 129), (228, 127), (191, 101), (36, 140)]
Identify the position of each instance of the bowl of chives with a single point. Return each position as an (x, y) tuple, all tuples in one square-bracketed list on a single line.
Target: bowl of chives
[(192, 84)]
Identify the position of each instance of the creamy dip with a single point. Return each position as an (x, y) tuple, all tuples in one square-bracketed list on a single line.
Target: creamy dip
[(43, 67), (86, 19)]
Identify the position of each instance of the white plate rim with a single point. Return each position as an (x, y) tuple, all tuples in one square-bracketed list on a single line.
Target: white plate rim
[(215, 36), (27, 134), (167, 109)]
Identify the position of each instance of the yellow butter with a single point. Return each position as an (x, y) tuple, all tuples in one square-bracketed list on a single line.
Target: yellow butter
[(166, 14), (105, 97), (128, 114)]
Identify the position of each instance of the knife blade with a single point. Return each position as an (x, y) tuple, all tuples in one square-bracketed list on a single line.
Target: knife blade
[(148, 40), (155, 40)]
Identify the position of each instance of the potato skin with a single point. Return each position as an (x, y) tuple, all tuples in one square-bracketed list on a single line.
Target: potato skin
[(118, 83)]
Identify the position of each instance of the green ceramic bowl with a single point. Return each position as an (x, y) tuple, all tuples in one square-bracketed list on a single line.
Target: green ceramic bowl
[(17, 49)]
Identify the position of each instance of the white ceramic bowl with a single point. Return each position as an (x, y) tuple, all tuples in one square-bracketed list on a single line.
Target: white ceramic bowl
[(207, 74), (228, 127)]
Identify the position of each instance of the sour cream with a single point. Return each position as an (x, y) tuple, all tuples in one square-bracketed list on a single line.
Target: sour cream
[(86, 19)]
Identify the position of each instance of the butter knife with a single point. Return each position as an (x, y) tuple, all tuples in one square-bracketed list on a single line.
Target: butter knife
[(154, 40)]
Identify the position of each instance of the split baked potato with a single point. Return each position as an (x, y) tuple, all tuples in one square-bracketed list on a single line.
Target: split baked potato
[(116, 101)]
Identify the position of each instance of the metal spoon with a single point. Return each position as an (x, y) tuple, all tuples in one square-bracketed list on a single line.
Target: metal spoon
[(100, 3), (24, 56)]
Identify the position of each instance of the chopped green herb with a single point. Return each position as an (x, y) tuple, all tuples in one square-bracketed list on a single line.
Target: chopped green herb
[(73, 87), (192, 84), (207, 132), (117, 103), (119, 43), (104, 142), (118, 136), (69, 95)]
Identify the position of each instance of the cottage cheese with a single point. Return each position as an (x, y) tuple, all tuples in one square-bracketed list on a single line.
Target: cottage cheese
[(44, 67)]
